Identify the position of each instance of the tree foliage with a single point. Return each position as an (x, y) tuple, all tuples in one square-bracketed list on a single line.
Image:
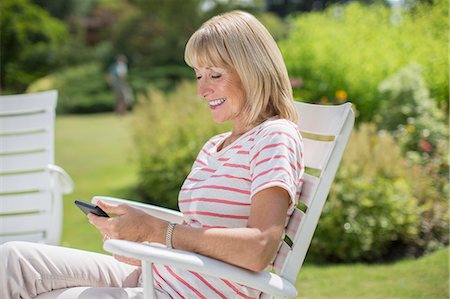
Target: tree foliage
[(156, 32), (30, 43), (355, 47), (67, 8)]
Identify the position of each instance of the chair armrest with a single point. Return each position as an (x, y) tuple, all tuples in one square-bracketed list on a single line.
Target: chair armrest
[(160, 212), (267, 282), (64, 180)]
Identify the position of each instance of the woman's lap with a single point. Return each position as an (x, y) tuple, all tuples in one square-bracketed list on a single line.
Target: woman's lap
[(33, 269)]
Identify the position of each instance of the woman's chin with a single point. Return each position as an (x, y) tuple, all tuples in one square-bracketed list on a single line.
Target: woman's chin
[(218, 118)]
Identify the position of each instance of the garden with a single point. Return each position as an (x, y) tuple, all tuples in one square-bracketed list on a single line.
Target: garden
[(384, 231)]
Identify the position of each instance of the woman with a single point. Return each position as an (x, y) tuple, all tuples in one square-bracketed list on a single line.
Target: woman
[(236, 200)]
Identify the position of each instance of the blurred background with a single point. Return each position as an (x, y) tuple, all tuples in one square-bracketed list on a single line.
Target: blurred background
[(389, 201)]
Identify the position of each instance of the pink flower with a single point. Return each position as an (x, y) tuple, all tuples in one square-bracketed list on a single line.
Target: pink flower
[(425, 146), (296, 82)]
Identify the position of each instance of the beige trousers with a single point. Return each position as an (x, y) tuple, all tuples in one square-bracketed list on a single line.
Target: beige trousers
[(29, 269)]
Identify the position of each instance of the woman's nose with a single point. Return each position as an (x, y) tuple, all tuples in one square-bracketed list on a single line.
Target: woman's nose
[(204, 89)]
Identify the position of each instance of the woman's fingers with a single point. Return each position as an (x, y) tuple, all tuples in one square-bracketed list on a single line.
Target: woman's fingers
[(112, 209), (121, 226), (128, 224), (102, 223)]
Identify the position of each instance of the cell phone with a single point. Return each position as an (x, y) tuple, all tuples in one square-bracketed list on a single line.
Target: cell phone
[(88, 207)]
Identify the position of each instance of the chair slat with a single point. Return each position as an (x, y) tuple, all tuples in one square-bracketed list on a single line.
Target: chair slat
[(294, 223), (309, 188), (24, 182), (25, 161), (317, 153), (26, 122), (21, 224), (320, 119), (25, 142), (24, 203), (30, 237), (24, 103), (282, 255)]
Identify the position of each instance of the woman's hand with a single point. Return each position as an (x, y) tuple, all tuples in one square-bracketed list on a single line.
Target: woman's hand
[(128, 224)]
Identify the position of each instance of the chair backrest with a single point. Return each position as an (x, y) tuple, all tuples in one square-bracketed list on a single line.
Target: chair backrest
[(325, 130), (27, 206)]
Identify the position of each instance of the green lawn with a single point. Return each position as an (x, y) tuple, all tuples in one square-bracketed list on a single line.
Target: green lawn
[(426, 278), (97, 151)]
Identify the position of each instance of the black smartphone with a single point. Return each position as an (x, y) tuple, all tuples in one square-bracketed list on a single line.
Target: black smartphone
[(88, 207)]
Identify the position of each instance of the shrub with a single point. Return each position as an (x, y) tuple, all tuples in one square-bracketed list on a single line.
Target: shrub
[(169, 131), (82, 89), (355, 47), (410, 113), (431, 191), (414, 118), (371, 206), (165, 78)]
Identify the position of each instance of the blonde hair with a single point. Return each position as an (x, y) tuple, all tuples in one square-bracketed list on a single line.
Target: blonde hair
[(237, 40)]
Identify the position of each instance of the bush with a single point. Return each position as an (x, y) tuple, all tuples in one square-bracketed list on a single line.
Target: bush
[(169, 131), (415, 120), (165, 78), (431, 192), (82, 89), (410, 113), (353, 48), (371, 206)]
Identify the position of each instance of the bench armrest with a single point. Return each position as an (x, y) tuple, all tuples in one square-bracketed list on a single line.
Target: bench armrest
[(160, 212), (267, 282), (60, 176)]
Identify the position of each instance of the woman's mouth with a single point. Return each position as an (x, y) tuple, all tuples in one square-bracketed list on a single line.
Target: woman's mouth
[(216, 103)]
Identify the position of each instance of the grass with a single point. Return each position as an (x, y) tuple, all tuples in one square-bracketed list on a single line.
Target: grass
[(97, 151), (426, 278)]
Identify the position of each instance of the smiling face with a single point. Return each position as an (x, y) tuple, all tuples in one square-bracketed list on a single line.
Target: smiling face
[(224, 92)]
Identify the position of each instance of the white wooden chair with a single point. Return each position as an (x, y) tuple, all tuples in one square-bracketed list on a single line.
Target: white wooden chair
[(31, 186), (326, 130)]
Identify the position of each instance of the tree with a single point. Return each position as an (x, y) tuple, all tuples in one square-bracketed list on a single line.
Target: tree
[(30, 43), (67, 8), (158, 31)]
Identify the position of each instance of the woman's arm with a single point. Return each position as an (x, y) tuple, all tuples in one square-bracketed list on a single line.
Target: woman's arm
[(252, 247)]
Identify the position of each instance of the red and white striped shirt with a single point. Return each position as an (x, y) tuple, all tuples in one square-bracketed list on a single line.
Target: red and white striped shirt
[(218, 193)]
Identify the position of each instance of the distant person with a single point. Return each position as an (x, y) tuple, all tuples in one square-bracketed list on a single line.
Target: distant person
[(117, 77)]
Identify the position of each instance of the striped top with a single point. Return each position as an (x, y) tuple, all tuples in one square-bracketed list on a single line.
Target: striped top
[(218, 193)]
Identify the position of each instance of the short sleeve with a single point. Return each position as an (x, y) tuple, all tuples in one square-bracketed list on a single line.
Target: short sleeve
[(203, 154), (276, 159)]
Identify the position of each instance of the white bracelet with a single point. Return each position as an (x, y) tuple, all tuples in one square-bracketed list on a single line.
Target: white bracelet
[(169, 234)]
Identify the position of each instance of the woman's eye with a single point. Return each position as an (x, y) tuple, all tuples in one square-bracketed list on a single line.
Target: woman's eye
[(216, 76), (198, 77)]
